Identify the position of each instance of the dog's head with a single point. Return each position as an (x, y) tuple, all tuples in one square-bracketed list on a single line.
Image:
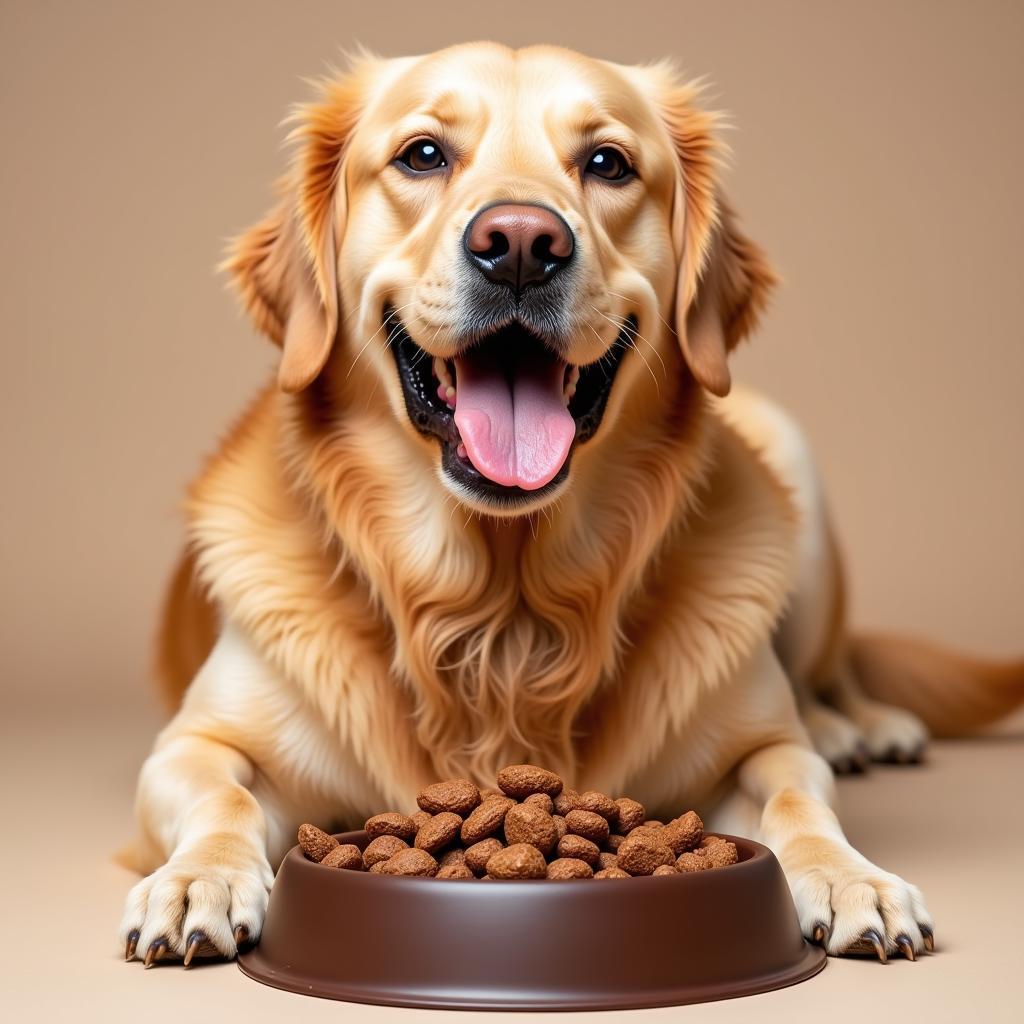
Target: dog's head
[(499, 241)]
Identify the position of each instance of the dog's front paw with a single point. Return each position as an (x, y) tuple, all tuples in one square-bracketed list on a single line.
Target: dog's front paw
[(196, 905), (848, 905)]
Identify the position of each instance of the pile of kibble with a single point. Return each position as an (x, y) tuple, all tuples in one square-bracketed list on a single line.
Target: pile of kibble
[(529, 827)]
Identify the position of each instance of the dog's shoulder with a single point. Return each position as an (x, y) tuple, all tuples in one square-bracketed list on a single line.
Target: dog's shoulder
[(729, 571), (256, 541)]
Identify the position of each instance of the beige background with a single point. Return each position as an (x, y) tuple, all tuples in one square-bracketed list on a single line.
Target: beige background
[(878, 151)]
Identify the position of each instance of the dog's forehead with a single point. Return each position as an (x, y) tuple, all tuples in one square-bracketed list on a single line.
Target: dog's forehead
[(475, 86)]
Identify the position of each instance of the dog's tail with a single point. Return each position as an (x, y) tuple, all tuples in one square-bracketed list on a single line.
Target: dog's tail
[(187, 633), (953, 694)]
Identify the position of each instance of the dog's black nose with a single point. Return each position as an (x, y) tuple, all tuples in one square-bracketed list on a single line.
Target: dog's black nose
[(516, 244)]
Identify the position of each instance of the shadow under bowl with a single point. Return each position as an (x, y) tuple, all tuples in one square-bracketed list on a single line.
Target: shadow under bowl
[(532, 945)]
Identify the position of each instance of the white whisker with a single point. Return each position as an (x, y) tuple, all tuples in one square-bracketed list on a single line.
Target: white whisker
[(626, 328), (383, 324)]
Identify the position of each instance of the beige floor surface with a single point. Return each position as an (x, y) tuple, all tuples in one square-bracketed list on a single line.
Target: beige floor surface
[(955, 827)]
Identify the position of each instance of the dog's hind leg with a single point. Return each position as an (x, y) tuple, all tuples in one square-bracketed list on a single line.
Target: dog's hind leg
[(890, 734), (834, 735)]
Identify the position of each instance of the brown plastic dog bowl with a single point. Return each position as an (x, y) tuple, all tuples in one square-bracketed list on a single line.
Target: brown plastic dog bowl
[(537, 945)]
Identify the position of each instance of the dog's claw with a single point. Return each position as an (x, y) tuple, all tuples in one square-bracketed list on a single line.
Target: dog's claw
[(860, 759), (156, 950), (130, 943), (875, 939), (820, 934), (870, 942), (195, 940), (929, 938), (241, 935), (905, 946)]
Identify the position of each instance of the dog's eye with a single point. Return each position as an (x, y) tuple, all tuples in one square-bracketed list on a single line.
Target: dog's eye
[(423, 155), (608, 163)]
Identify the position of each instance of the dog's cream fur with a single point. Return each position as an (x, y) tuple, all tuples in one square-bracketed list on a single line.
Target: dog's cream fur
[(377, 629)]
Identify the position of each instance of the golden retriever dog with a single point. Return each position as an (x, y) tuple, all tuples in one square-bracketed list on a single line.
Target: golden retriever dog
[(496, 507)]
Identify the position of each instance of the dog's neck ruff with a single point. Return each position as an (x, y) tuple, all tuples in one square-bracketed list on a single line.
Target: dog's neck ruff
[(458, 644)]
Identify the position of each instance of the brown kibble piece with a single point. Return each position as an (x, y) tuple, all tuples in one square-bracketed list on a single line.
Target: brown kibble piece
[(541, 800), (411, 862), (490, 791), (378, 868), (419, 819), (578, 848), (613, 842), (654, 823), (382, 848), (560, 826), (348, 856), (587, 824), (683, 833), (315, 843), (486, 819), (459, 796), (480, 853), (640, 854), (454, 856), (521, 780), (607, 860), (694, 861), (438, 832), (521, 860), (597, 802), (566, 801), (391, 824), (631, 814), (527, 823), (612, 873), (720, 855), (646, 830), (710, 841), (665, 869), (454, 871), (569, 867)]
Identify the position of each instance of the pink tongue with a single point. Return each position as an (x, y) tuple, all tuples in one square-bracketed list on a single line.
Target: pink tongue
[(518, 431)]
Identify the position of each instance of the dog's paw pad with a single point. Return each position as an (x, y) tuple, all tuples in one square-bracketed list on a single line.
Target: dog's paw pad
[(869, 944)]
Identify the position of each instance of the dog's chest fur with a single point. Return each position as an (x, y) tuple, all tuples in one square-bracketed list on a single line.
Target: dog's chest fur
[(434, 645)]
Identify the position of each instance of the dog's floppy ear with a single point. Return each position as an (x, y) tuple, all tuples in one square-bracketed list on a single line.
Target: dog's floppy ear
[(285, 268), (724, 278), (730, 295)]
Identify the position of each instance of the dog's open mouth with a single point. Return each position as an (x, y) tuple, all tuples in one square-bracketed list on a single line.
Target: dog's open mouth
[(509, 410)]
